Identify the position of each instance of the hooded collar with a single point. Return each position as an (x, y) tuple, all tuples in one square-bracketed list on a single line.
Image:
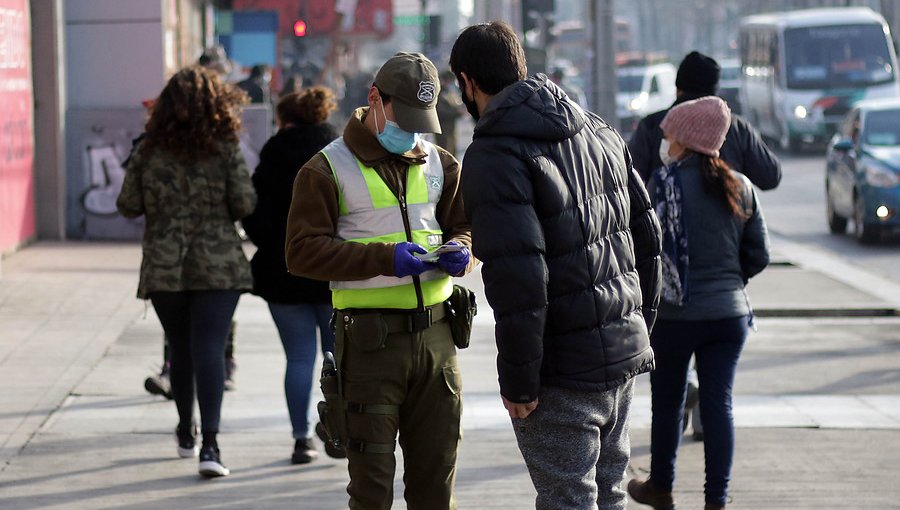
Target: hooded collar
[(532, 108), (364, 145)]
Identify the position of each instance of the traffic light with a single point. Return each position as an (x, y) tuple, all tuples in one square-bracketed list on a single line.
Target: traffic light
[(300, 28)]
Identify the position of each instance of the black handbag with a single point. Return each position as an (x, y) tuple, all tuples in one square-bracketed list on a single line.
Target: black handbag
[(462, 309)]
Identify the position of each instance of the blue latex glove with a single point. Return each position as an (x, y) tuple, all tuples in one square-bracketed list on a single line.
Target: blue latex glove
[(407, 265), (454, 262)]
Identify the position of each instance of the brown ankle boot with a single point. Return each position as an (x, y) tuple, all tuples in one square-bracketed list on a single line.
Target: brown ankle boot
[(711, 506), (645, 492)]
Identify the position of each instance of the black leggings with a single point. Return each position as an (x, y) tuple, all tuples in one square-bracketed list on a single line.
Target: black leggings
[(196, 324)]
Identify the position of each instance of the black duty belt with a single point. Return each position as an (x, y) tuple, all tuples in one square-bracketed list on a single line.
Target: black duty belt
[(406, 321)]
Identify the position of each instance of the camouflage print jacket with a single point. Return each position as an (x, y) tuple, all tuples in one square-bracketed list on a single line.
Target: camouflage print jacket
[(190, 240)]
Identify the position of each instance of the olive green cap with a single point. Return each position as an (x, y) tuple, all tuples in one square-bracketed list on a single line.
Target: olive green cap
[(411, 80)]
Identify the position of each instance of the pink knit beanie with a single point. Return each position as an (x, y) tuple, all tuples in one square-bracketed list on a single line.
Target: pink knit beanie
[(699, 125)]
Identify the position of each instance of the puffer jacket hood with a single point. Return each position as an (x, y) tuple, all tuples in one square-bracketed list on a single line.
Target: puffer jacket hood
[(534, 108), (569, 241)]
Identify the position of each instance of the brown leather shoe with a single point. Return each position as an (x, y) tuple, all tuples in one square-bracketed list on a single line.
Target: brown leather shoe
[(645, 492), (710, 506)]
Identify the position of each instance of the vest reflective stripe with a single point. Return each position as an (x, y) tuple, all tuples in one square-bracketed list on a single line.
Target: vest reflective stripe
[(369, 212)]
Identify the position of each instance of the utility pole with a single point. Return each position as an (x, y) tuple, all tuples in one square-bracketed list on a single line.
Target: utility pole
[(604, 61)]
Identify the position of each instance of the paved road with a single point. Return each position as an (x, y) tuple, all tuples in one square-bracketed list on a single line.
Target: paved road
[(796, 210)]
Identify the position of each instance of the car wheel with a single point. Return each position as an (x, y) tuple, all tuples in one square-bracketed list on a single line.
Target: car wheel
[(866, 233), (837, 224)]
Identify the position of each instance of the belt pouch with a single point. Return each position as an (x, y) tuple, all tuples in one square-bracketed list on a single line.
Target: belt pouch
[(462, 309), (366, 331)]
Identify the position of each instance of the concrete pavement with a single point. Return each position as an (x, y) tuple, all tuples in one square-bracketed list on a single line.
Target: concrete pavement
[(817, 400)]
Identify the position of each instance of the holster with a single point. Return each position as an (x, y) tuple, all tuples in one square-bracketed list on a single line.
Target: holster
[(331, 411), (462, 309)]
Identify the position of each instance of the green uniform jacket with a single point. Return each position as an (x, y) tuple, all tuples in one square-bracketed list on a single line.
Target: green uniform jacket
[(190, 240)]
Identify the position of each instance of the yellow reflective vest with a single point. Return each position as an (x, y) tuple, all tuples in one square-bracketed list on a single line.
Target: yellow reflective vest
[(370, 212)]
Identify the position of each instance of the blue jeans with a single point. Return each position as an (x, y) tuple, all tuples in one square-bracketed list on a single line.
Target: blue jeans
[(717, 345), (196, 324), (296, 325)]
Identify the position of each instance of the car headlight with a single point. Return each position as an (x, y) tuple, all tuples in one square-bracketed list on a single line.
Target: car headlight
[(801, 112), (638, 102), (881, 176)]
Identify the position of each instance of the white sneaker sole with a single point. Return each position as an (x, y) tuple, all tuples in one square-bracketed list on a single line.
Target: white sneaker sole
[(212, 469), (188, 453)]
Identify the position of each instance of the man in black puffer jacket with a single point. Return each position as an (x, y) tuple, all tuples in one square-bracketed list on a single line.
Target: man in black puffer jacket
[(570, 246), (744, 150)]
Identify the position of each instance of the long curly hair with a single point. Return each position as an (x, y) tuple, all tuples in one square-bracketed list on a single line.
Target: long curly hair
[(310, 106), (195, 113)]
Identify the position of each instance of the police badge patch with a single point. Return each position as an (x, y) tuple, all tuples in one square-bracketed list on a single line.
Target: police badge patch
[(426, 91), (435, 182)]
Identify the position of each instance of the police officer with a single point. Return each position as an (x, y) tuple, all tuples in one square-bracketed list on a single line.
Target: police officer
[(362, 209)]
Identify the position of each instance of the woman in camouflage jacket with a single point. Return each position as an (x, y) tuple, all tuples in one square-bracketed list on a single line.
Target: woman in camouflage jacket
[(190, 181)]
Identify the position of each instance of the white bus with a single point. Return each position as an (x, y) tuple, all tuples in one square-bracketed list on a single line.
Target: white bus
[(803, 70)]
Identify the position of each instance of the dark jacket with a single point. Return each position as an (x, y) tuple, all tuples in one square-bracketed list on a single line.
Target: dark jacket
[(743, 150), (724, 251), (190, 242), (279, 161), (569, 241)]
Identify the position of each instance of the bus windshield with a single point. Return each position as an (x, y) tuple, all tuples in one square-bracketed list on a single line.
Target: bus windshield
[(837, 56)]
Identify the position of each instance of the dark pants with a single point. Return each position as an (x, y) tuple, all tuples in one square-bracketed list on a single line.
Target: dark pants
[(717, 345), (418, 373), (196, 324)]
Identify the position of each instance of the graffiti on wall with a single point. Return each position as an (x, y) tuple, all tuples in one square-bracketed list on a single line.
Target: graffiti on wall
[(99, 141), (106, 174)]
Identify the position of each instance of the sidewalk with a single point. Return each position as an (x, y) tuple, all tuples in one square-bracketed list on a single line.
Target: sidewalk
[(817, 402)]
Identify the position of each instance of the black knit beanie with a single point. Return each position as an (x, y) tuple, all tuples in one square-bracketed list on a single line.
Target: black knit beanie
[(698, 74)]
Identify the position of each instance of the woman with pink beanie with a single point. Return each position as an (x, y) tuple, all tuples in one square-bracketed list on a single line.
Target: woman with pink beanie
[(714, 241)]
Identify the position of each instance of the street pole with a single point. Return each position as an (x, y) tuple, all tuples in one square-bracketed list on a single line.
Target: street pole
[(604, 61)]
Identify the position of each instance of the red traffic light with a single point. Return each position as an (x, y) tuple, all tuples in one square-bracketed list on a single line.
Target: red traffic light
[(300, 28)]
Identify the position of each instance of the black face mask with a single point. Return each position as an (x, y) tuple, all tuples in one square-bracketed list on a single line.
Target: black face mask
[(471, 105)]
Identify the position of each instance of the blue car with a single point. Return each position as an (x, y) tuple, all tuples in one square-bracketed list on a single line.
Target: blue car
[(862, 178)]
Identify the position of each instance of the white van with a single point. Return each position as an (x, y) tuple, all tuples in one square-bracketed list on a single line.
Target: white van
[(643, 90)]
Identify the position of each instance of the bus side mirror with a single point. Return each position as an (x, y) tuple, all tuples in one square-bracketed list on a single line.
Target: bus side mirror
[(843, 145)]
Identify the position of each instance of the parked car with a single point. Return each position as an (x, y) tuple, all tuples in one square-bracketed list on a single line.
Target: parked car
[(862, 178), (643, 90)]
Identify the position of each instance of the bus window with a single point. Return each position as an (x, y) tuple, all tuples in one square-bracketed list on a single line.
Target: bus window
[(837, 56)]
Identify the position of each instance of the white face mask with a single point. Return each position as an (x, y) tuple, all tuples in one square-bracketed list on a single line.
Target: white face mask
[(664, 153)]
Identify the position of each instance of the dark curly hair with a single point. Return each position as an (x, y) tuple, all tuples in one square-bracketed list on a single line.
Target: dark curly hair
[(310, 106), (194, 114)]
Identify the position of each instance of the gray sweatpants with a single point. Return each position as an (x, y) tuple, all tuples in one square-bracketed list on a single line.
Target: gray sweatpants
[(576, 447)]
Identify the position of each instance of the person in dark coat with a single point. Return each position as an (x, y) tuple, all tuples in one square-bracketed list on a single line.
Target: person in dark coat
[(298, 305), (743, 150), (714, 241), (570, 246), (257, 84)]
